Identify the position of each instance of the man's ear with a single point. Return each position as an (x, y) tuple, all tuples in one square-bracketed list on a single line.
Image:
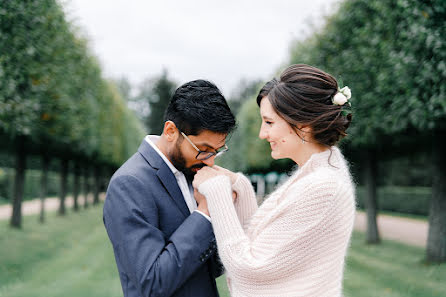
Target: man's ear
[(170, 131)]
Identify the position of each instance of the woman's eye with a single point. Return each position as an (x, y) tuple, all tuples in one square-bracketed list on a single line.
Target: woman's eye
[(268, 122)]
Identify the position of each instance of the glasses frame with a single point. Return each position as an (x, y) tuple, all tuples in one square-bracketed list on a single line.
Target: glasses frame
[(208, 154)]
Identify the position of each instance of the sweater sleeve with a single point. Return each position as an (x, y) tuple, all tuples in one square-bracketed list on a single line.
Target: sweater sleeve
[(246, 203), (290, 232)]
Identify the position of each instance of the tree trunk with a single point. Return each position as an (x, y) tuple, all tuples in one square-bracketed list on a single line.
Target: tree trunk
[(371, 199), (43, 187), (19, 182), (86, 186), (436, 241), (63, 185), (76, 186), (96, 185)]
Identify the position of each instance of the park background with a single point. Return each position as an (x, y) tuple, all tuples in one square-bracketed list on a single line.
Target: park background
[(65, 128)]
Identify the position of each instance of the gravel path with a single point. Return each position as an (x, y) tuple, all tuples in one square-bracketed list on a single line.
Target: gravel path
[(410, 231), (51, 204)]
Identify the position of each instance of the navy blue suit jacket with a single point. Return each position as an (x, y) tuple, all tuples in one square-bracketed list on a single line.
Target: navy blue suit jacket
[(161, 249)]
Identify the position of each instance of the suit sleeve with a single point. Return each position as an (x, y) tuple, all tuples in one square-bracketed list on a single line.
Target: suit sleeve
[(217, 267), (157, 266)]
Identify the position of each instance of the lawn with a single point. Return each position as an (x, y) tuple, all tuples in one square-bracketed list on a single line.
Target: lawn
[(72, 257)]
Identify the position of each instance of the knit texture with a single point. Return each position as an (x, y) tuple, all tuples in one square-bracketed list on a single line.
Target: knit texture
[(295, 243)]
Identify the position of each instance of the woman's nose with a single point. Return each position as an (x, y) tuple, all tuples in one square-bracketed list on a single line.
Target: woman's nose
[(262, 133)]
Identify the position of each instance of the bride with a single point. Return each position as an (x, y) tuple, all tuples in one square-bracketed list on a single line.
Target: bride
[(295, 243)]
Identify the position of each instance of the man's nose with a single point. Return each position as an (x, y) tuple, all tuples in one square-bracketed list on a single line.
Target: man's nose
[(209, 162)]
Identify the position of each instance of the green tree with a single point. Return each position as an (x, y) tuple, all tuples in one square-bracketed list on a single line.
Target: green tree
[(53, 99), (242, 92), (157, 92), (391, 53)]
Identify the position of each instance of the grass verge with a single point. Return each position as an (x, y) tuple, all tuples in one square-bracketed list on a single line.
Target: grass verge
[(72, 257)]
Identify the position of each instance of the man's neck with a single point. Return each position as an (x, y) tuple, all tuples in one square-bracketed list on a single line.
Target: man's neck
[(161, 144)]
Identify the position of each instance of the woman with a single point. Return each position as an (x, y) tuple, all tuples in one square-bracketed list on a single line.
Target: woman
[(295, 243)]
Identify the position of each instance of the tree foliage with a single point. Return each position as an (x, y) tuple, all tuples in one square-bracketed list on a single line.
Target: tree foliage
[(52, 91), (392, 55), (156, 92)]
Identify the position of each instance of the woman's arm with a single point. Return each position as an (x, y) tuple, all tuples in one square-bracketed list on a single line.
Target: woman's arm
[(246, 202), (281, 243)]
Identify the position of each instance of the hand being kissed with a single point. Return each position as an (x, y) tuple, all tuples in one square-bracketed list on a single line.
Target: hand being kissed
[(205, 174)]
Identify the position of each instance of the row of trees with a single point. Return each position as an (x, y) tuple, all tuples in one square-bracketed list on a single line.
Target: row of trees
[(392, 54), (54, 102)]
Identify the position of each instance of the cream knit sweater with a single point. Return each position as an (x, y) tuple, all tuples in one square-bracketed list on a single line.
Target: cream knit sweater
[(295, 243)]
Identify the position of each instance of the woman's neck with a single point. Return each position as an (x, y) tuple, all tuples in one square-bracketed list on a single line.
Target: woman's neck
[(307, 150)]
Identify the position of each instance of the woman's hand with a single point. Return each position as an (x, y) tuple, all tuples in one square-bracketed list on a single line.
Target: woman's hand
[(232, 176), (203, 175), (206, 173)]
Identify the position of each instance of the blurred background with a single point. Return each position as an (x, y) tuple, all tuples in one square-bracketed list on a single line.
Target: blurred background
[(82, 82)]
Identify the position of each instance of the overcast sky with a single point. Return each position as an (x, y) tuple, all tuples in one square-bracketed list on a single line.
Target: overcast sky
[(223, 41)]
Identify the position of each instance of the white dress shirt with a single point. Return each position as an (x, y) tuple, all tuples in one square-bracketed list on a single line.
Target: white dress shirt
[(186, 189)]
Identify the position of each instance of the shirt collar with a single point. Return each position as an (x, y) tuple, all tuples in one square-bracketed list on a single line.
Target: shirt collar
[(151, 140)]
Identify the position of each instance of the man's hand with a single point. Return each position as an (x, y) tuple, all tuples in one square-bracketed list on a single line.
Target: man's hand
[(202, 204)]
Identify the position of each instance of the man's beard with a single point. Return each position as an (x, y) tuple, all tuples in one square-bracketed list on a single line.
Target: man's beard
[(179, 162)]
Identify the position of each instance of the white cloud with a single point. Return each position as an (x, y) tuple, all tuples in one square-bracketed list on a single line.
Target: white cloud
[(222, 41)]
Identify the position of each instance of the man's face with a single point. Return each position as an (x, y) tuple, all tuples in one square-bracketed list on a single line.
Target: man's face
[(183, 156)]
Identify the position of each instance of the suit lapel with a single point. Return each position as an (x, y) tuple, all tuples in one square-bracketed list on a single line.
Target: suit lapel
[(165, 175), (169, 181)]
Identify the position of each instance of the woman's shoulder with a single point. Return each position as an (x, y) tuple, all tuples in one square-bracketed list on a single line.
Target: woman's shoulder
[(323, 181)]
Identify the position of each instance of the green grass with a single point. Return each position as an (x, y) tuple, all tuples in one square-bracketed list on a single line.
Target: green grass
[(67, 256), (72, 257), (391, 269)]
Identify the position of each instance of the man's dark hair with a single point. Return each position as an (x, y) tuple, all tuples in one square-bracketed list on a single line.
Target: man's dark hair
[(199, 105)]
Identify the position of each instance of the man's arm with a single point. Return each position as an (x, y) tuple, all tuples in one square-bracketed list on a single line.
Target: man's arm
[(217, 267), (155, 265)]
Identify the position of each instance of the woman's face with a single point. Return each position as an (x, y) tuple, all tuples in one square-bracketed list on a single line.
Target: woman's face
[(282, 138)]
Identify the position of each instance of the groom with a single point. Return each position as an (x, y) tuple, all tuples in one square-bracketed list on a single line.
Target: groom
[(163, 241)]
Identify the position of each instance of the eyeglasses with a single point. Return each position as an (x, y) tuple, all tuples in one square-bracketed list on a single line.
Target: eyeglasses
[(203, 155)]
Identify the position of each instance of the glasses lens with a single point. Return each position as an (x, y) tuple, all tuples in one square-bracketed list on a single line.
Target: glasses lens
[(205, 155)]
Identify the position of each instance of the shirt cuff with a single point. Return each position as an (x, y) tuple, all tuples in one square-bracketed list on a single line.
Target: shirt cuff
[(204, 215)]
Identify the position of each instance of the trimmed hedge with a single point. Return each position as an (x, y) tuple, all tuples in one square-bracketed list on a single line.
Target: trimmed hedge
[(32, 184), (410, 200)]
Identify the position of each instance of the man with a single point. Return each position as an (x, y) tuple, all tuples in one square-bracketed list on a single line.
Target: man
[(163, 241)]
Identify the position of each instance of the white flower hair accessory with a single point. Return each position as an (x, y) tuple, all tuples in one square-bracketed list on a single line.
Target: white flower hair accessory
[(342, 96)]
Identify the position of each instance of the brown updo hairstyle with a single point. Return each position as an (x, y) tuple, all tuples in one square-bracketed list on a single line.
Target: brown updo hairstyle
[(303, 97)]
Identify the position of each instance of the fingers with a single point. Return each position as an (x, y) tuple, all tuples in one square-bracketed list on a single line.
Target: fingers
[(204, 174), (230, 174)]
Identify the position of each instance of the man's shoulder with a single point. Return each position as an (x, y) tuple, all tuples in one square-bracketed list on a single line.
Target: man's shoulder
[(137, 167)]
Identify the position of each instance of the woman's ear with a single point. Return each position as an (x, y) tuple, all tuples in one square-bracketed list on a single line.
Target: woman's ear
[(305, 129), (301, 129), (304, 132), (170, 131)]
